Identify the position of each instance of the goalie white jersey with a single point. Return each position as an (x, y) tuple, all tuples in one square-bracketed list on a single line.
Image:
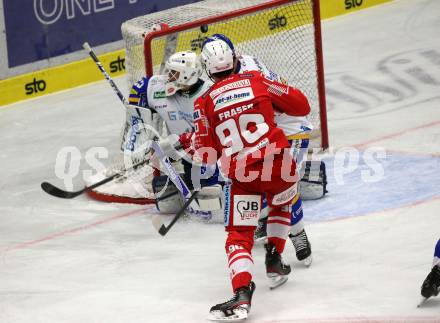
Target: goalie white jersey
[(177, 113), (289, 124), (175, 110)]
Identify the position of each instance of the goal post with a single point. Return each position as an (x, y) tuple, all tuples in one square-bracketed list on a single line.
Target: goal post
[(284, 34)]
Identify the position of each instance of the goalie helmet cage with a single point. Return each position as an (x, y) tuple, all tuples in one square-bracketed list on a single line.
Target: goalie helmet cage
[(284, 34)]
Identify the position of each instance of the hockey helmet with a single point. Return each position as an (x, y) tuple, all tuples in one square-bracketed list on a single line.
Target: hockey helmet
[(219, 37), (183, 69), (217, 56)]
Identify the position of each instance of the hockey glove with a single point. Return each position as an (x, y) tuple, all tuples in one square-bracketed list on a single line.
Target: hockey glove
[(171, 147)]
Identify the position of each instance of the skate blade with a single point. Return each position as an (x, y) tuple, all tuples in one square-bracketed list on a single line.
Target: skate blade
[(276, 280), (308, 261), (239, 315)]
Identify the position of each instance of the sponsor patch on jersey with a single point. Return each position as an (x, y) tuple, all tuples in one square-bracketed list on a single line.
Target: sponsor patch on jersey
[(172, 115), (230, 86), (232, 97), (227, 194), (159, 95), (246, 210), (201, 126), (244, 75), (179, 115), (245, 152), (286, 195)]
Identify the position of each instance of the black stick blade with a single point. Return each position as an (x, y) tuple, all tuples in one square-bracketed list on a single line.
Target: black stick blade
[(55, 191), (159, 225)]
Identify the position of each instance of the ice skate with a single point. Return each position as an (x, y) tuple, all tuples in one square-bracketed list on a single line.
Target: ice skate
[(302, 247), (431, 284), (277, 271), (236, 309)]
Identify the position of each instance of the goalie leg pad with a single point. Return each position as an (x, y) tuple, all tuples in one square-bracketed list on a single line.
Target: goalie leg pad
[(210, 198), (313, 184), (168, 197)]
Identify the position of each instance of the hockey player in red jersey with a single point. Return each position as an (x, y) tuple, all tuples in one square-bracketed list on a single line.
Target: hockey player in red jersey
[(234, 126), (298, 131)]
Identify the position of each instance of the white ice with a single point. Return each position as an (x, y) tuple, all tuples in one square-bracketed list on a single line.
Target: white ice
[(373, 238)]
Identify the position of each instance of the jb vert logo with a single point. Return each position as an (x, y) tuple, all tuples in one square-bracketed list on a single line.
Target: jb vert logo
[(349, 4), (277, 22), (117, 65), (35, 86), (246, 209)]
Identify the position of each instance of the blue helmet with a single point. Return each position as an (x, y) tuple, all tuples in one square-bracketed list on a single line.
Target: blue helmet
[(220, 37)]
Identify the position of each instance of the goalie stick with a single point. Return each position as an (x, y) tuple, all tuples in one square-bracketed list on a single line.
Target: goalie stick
[(115, 88), (98, 63), (55, 191), (175, 178), (58, 192), (180, 185)]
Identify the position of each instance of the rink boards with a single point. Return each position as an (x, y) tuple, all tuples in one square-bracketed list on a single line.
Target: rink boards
[(61, 77)]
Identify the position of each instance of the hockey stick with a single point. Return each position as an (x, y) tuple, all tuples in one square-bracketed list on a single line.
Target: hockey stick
[(55, 191), (180, 185), (161, 227), (98, 63), (115, 88), (174, 176), (58, 192)]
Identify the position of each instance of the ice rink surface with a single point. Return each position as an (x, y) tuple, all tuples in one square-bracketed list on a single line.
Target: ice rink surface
[(373, 236)]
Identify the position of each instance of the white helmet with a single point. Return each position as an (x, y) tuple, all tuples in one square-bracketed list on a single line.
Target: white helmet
[(183, 69), (217, 56)]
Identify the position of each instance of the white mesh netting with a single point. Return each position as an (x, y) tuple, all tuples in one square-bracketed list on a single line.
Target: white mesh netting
[(281, 36)]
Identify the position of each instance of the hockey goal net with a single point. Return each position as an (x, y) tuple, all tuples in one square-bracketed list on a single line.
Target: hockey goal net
[(283, 34)]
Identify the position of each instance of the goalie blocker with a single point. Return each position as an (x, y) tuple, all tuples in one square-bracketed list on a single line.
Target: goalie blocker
[(208, 203)]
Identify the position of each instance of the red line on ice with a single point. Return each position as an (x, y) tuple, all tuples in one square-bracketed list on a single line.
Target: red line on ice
[(397, 134), (73, 230)]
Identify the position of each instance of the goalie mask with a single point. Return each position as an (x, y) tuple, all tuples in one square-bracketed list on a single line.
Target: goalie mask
[(183, 70)]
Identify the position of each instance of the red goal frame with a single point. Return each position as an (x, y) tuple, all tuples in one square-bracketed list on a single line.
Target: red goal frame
[(232, 14)]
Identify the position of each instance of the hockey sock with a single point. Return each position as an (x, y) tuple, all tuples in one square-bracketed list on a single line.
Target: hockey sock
[(239, 252), (278, 226)]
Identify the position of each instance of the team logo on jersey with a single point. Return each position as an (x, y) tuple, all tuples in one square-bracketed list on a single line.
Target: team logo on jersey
[(233, 97), (159, 95), (230, 86), (246, 210)]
